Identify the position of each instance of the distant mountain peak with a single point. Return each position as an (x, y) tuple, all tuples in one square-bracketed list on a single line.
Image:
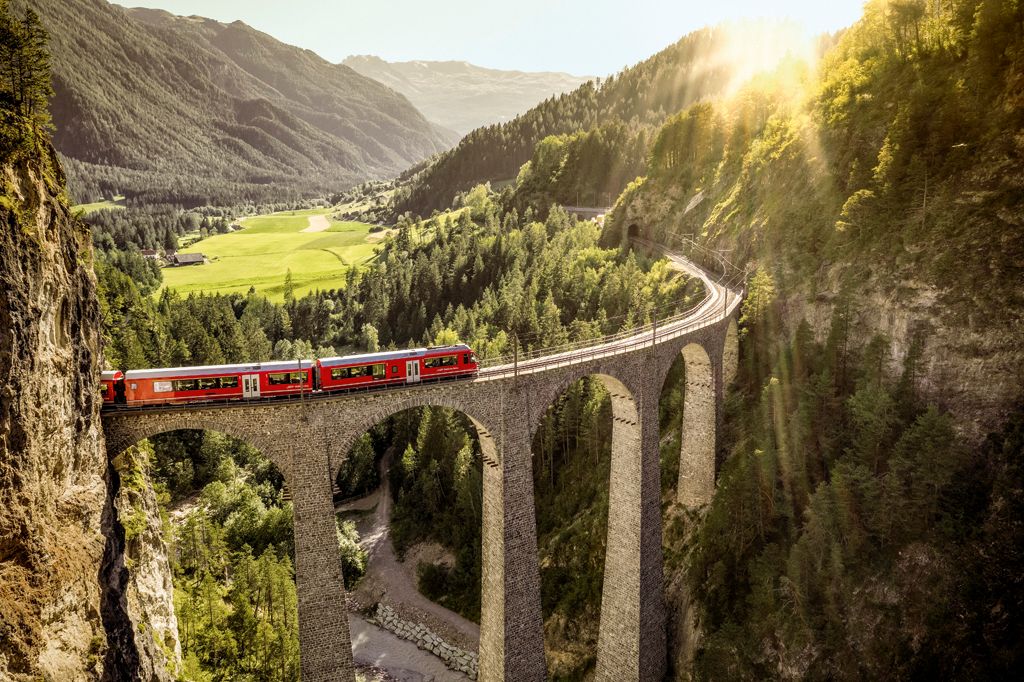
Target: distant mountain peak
[(463, 96)]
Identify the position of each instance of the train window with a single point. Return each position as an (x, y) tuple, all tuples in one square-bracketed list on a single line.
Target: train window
[(350, 372), (103, 389), (185, 385), (443, 361), (394, 369), (208, 383), (379, 371), (465, 358), (229, 382), (279, 378)]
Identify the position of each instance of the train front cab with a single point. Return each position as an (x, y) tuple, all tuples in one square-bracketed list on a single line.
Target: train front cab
[(112, 387)]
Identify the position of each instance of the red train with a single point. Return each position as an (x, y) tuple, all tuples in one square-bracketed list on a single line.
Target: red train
[(182, 385)]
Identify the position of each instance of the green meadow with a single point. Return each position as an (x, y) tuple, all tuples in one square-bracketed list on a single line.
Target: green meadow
[(115, 203), (260, 255)]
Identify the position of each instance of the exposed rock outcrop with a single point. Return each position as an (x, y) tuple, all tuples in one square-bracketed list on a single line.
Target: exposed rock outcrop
[(52, 460), (79, 598), (149, 592)]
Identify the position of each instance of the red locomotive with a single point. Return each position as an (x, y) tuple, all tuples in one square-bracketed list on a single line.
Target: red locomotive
[(184, 385)]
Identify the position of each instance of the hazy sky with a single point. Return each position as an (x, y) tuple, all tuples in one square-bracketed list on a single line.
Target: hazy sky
[(584, 37)]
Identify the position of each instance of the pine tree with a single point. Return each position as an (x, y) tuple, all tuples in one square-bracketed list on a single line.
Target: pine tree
[(289, 287), (38, 88), (25, 65), (10, 54)]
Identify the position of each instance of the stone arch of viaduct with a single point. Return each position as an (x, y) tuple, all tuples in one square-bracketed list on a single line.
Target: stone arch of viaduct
[(307, 440)]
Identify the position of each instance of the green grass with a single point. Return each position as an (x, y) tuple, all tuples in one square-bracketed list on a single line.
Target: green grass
[(115, 203), (262, 253)]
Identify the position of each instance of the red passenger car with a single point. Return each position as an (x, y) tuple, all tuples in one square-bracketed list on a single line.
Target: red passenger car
[(217, 382), (396, 367), (108, 385)]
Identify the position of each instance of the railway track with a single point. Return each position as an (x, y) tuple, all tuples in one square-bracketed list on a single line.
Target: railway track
[(722, 295)]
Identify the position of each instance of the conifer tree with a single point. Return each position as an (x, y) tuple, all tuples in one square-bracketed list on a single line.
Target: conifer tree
[(25, 85), (37, 88)]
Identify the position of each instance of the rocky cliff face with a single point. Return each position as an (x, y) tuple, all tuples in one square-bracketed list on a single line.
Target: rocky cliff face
[(52, 461), (972, 368), (149, 593), (79, 598)]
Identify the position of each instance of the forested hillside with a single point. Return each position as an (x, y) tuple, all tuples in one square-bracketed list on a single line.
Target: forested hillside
[(890, 173), (703, 64), (167, 109), (866, 520)]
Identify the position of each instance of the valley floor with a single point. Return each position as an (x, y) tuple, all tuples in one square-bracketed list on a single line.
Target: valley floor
[(393, 582), (399, 658), (311, 244)]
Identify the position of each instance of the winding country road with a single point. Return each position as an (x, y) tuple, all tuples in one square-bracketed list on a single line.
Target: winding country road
[(318, 223)]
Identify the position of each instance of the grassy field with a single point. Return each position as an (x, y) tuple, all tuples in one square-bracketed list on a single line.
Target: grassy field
[(268, 246), (115, 203)]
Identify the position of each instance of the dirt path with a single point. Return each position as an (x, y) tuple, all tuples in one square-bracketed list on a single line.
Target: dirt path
[(394, 582), (402, 659), (318, 223)]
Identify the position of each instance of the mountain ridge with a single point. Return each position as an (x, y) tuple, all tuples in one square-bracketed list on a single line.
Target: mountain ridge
[(628, 106), (190, 110), (463, 96)]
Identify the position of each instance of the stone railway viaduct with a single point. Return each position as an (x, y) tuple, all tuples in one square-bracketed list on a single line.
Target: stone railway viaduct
[(308, 439)]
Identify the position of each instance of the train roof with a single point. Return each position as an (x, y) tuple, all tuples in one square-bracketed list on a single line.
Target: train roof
[(390, 355), (111, 375), (208, 370)]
